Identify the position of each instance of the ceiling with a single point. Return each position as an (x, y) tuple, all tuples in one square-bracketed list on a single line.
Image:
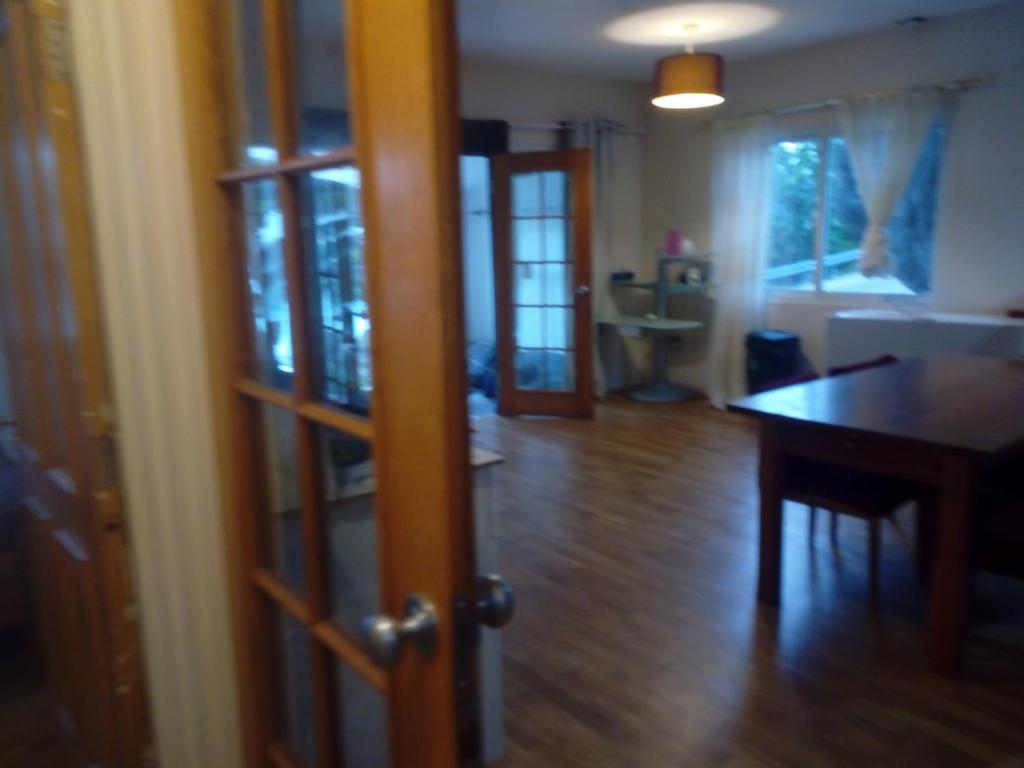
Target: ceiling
[(570, 35)]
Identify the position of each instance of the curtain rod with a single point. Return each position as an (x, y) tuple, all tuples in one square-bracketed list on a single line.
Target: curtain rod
[(964, 84), (949, 85), (544, 127)]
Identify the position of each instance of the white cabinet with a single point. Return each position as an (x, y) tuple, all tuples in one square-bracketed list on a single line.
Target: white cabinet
[(857, 335)]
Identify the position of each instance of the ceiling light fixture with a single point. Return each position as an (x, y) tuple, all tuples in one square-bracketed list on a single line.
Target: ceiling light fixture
[(689, 80)]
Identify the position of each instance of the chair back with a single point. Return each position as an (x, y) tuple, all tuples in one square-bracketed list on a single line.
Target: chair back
[(864, 365)]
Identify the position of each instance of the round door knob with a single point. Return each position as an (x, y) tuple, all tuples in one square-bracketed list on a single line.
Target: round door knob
[(495, 601), (582, 290), (384, 637)]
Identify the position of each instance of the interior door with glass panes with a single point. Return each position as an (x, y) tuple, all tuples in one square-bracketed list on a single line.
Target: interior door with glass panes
[(352, 518), (542, 224)]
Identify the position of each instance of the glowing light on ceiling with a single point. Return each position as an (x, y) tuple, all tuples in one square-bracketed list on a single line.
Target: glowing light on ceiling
[(712, 23)]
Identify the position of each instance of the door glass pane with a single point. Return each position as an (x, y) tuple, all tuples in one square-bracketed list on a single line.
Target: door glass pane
[(531, 371), (561, 370), (526, 194), (340, 322), (267, 285), (296, 682), (556, 244), (529, 327), (283, 523), (556, 193), (321, 70), (529, 284), (351, 536), (362, 721), (526, 240), (545, 369), (558, 328), (557, 280), (253, 102)]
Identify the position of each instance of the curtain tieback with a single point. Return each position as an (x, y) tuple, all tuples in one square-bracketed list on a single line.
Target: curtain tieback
[(874, 251)]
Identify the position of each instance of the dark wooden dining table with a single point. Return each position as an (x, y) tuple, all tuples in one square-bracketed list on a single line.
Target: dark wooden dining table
[(943, 423)]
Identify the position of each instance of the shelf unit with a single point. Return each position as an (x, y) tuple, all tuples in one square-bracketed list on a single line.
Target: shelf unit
[(659, 326)]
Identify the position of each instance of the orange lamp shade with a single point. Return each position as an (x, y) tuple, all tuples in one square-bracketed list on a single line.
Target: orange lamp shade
[(689, 81)]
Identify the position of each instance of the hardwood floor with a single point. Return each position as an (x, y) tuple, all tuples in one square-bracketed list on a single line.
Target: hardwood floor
[(631, 543)]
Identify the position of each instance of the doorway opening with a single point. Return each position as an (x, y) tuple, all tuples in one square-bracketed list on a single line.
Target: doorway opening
[(478, 280)]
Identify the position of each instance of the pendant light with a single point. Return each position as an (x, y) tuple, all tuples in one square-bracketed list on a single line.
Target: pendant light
[(689, 80)]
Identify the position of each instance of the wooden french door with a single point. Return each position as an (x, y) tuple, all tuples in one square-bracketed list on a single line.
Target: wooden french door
[(83, 607), (542, 231), (351, 524)]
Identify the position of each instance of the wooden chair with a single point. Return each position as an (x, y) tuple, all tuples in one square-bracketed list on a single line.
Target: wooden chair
[(847, 492), (842, 370), (850, 492)]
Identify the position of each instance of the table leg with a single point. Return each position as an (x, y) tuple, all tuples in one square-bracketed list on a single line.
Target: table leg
[(770, 554), (948, 611)]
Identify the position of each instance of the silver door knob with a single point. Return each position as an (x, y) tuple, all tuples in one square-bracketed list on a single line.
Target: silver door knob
[(495, 601), (582, 290), (384, 637)]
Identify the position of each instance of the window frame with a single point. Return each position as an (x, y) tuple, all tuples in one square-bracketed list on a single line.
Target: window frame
[(822, 132)]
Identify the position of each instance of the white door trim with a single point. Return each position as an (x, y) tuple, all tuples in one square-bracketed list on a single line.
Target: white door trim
[(126, 74)]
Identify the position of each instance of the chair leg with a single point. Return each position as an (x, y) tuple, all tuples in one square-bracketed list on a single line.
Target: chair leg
[(873, 556), (834, 529), (811, 522)]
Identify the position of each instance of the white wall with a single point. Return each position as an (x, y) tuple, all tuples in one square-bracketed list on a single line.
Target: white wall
[(524, 96), (979, 239)]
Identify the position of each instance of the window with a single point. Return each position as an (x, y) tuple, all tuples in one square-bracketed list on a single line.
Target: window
[(818, 220)]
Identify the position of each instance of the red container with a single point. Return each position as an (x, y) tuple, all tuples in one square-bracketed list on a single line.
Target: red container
[(674, 242)]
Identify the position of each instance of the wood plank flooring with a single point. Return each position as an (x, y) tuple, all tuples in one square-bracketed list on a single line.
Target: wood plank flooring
[(631, 543)]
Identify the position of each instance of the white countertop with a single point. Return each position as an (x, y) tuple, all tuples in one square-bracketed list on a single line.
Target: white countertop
[(893, 315)]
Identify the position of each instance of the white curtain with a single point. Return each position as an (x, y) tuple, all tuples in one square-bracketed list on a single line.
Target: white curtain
[(884, 135), (740, 205), (601, 137)]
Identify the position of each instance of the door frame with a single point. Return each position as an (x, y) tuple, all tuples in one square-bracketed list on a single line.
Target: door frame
[(406, 57), (512, 401)]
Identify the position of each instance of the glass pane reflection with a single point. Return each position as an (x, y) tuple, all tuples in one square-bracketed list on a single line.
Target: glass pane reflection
[(253, 101), (296, 680), (340, 321), (283, 523), (348, 495), (362, 721), (321, 72), (267, 285)]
